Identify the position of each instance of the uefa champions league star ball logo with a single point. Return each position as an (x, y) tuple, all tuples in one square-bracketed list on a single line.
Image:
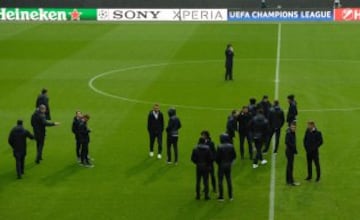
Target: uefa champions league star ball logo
[(103, 14)]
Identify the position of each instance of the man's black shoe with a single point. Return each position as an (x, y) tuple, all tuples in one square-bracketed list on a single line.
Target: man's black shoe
[(220, 199), (207, 198), (308, 178), (318, 179)]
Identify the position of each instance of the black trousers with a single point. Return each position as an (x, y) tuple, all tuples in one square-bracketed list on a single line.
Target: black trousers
[(289, 167), (228, 72), (277, 132), (212, 177), (84, 152), (225, 171), (202, 173), (78, 147), (153, 137), (246, 136), (258, 145), (40, 141), (172, 142), (20, 163), (310, 157)]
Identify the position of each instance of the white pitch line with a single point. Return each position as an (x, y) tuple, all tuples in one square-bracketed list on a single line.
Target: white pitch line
[(273, 156)]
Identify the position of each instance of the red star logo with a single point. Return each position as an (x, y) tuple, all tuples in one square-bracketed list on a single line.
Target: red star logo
[(75, 15)]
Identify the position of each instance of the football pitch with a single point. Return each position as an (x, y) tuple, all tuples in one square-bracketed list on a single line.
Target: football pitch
[(115, 72)]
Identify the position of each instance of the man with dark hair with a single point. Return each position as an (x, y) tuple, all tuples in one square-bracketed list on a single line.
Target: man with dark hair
[(259, 127), (202, 158), (244, 119), (292, 112), (17, 141), (290, 142), (252, 107), (229, 56), (39, 124), (206, 135), (155, 128), (75, 130), (276, 121), (265, 105), (84, 138), (224, 158), (172, 131), (312, 142), (231, 125), (43, 99)]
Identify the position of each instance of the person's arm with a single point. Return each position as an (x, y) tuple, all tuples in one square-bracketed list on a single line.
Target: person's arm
[(162, 121), (29, 135), (282, 118), (233, 154), (11, 139), (149, 123), (179, 124), (320, 139), (194, 156)]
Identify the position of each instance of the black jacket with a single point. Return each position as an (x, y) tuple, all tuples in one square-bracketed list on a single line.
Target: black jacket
[(312, 140), (229, 55), (259, 126), (212, 148), (174, 124), (244, 122), (276, 117), (201, 156), (39, 123), (155, 125), (231, 126), (292, 112), (43, 99), (84, 132), (225, 155), (75, 126), (17, 139), (290, 142), (265, 106)]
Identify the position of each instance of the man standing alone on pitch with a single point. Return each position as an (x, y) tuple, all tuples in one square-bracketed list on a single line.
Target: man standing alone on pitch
[(172, 131), (312, 142), (43, 99), (17, 140), (229, 57), (276, 121), (224, 158), (202, 158), (155, 128), (75, 130), (39, 124), (292, 112), (290, 142)]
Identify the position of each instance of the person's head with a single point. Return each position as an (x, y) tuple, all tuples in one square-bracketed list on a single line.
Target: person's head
[(252, 101), (245, 109), (265, 98), (205, 134), (293, 126), (233, 112), (86, 117), (171, 112), (276, 103), (202, 140), (228, 46), (44, 91), (291, 98), (42, 108), (78, 114), (19, 122), (156, 108), (224, 138), (311, 125)]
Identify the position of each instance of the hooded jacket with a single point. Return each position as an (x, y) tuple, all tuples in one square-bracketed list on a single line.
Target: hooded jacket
[(174, 124)]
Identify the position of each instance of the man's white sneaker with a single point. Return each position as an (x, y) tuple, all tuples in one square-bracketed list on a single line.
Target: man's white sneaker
[(263, 162), (159, 156), (255, 166), (151, 154)]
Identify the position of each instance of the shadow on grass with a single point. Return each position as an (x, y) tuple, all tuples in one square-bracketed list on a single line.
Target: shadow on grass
[(140, 167), (59, 176), (202, 209), (157, 174)]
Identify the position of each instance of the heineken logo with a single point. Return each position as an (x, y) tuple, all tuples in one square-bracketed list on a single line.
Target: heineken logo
[(46, 14)]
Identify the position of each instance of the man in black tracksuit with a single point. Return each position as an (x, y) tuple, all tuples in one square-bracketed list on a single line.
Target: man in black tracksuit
[(252, 107), (75, 130), (172, 131), (206, 135), (292, 111), (17, 140), (290, 142), (243, 120), (259, 128), (312, 142), (84, 139), (202, 158), (39, 124), (265, 105), (231, 125), (276, 121), (155, 127), (43, 99), (229, 56), (224, 158)]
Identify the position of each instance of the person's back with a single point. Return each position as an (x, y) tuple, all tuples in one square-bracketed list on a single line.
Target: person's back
[(37, 122), (226, 154), (17, 138), (276, 117), (202, 156), (259, 126)]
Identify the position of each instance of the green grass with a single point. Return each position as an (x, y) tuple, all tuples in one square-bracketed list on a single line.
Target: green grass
[(320, 64)]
